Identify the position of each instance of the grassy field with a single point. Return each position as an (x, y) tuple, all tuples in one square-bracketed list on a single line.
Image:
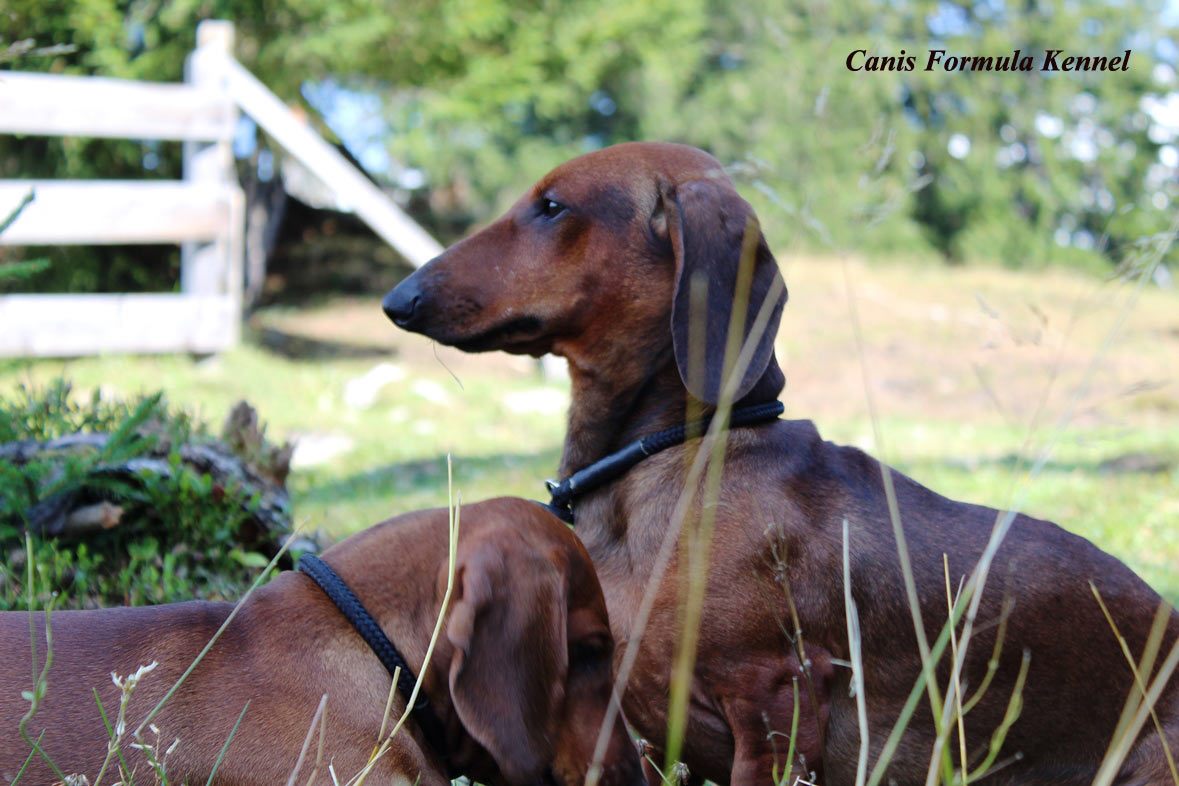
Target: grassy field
[(1053, 392)]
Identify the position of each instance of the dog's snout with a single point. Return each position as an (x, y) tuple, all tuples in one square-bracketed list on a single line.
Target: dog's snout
[(401, 304)]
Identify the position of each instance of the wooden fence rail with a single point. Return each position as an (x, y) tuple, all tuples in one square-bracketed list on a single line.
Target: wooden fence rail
[(204, 212)]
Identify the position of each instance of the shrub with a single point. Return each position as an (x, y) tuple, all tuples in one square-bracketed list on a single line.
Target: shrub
[(132, 502)]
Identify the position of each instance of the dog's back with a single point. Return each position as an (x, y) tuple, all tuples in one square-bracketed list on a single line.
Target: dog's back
[(87, 646)]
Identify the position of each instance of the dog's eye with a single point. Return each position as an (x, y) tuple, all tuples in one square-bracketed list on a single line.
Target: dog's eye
[(587, 655), (550, 208)]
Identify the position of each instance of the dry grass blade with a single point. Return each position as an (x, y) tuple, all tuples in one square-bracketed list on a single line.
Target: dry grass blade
[(454, 504), (40, 681), (671, 535), (1120, 747), (307, 740), (952, 713), (698, 542), (1014, 706), (225, 747), (910, 706), (1154, 641), (959, 712), (320, 746), (857, 660), (388, 708)]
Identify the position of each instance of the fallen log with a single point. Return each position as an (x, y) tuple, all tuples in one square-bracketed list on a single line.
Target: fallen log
[(241, 459)]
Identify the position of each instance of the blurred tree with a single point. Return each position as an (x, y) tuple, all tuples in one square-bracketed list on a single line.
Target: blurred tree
[(479, 97)]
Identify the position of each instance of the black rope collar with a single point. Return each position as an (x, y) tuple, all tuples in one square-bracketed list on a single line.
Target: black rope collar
[(607, 469), (355, 612)]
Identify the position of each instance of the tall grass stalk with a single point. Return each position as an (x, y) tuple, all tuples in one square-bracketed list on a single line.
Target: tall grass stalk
[(956, 695), (698, 540), (999, 735), (857, 660), (795, 634), (671, 535), (1154, 640), (792, 746), (993, 663), (14, 214), (319, 748), (894, 513), (40, 680), (454, 503), (388, 708), (115, 735), (1003, 522), (307, 740), (110, 735), (225, 747), (691, 544), (1120, 746)]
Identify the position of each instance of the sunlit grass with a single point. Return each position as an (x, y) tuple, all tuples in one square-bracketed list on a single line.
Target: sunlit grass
[(930, 344)]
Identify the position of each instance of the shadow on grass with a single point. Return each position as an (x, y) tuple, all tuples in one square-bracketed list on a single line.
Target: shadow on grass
[(1121, 464), (303, 348), (499, 473)]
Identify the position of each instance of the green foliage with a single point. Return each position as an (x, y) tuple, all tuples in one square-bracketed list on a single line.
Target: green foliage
[(484, 95), (22, 269), (181, 534)]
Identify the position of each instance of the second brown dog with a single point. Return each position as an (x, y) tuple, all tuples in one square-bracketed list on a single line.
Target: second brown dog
[(520, 681)]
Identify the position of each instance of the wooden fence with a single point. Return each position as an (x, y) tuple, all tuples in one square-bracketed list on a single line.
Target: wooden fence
[(204, 212)]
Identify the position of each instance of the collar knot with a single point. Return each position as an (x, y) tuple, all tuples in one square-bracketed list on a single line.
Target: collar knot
[(617, 463)]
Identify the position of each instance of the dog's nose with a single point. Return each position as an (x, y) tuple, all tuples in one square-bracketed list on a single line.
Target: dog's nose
[(401, 304)]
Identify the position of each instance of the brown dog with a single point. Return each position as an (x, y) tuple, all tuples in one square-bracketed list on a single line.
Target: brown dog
[(593, 263), (520, 681)]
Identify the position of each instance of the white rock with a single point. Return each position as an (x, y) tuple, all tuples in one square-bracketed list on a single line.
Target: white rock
[(318, 448), (538, 401), (361, 392), (430, 390)]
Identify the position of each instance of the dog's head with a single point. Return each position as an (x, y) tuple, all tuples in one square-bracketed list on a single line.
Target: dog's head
[(610, 258), (530, 676)]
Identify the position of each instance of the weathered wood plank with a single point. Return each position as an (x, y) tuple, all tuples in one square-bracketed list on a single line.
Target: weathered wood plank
[(57, 105), (73, 212), (66, 325), (353, 190)]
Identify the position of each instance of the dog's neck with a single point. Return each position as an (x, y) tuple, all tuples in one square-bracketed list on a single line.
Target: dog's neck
[(408, 618), (610, 410)]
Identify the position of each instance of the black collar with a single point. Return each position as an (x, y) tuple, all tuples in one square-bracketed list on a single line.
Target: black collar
[(607, 469), (355, 612)]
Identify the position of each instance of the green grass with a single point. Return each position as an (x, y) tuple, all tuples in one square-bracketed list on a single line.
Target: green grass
[(958, 389), (397, 461)]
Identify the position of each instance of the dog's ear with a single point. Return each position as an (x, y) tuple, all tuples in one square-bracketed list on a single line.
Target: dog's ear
[(507, 674), (707, 222)]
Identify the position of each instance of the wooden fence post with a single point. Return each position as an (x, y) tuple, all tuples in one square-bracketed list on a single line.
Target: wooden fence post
[(214, 268)]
